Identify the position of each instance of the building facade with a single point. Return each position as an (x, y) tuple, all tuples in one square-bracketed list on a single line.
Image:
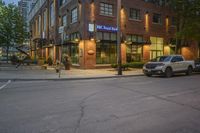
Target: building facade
[(25, 6), (86, 30)]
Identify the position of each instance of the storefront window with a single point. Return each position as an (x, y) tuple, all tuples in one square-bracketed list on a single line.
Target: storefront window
[(156, 47), (134, 48), (106, 53), (73, 51), (113, 37), (133, 53), (106, 36), (106, 49)]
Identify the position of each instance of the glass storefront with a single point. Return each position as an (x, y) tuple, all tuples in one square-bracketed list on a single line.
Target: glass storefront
[(106, 53), (71, 50), (133, 53), (134, 48), (156, 47), (106, 48)]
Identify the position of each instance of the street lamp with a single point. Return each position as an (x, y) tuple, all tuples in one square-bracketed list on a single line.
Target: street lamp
[(119, 59)]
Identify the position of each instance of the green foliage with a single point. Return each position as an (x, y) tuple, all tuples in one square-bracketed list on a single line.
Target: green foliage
[(12, 26), (187, 18), (129, 65), (136, 64)]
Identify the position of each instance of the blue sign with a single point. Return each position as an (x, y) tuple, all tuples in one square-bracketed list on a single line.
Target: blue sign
[(107, 28)]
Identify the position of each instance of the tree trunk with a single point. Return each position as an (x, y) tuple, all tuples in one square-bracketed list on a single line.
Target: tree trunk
[(7, 52)]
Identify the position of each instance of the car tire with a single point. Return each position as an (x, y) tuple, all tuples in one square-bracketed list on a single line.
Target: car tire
[(168, 72), (189, 70)]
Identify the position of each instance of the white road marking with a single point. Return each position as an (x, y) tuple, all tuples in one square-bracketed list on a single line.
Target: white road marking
[(7, 83)]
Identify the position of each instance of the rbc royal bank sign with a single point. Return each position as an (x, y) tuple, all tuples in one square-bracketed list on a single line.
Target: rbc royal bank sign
[(106, 28)]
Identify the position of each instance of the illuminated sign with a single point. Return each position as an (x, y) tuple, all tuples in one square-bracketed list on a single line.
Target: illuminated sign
[(106, 28), (91, 28)]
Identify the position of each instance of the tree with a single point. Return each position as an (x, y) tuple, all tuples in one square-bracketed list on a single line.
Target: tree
[(12, 26), (187, 18)]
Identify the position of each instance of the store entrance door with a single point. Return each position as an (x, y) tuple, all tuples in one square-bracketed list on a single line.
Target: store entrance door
[(156, 53)]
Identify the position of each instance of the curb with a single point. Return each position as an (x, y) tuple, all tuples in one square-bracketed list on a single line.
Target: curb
[(71, 79)]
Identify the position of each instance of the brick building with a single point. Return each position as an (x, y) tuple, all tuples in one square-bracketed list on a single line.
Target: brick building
[(86, 30)]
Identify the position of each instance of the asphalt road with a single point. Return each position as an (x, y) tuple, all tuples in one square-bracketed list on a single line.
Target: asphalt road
[(121, 105)]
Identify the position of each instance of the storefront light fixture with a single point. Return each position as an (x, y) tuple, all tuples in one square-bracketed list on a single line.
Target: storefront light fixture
[(76, 40)]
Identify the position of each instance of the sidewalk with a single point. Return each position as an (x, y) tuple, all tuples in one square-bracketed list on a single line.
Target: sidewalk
[(33, 72)]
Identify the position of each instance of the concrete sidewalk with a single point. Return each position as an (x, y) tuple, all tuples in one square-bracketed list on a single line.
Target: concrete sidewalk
[(34, 72)]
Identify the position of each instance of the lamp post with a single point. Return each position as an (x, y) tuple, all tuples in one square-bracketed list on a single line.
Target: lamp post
[(119, 59)]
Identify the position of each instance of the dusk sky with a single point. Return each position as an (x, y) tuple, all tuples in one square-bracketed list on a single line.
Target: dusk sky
[(11, 1)]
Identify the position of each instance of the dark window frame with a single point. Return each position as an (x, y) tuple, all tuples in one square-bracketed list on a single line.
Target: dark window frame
[(157, 18), (106, 9), (135, 14), (74, 19)]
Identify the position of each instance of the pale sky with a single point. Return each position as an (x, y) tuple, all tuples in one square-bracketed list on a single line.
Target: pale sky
[(11, 1)]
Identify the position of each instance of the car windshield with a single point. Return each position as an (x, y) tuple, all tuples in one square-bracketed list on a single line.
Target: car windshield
[(161, 59)]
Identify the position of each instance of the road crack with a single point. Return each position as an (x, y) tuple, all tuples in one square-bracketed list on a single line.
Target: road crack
[(82, 106)]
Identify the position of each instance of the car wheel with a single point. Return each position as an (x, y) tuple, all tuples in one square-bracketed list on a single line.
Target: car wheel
[(168, 72), (189, 70)]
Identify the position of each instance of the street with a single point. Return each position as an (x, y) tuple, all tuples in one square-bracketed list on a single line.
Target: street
[(117, 105)]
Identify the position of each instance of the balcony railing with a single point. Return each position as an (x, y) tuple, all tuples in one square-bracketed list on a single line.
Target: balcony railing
[(35, 9)]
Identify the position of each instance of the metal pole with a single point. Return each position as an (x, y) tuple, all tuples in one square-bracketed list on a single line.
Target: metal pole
[(119, 60), (61, 53)]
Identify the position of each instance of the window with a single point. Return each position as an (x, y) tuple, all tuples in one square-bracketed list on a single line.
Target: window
[(64, 1), (135, 14), (39, 24), (64, 20), (158, 2), (177, 59), (73, 51), (106, 53), (157, 18), (157, 47), (52, 15), (74, 15), (106, 9), (106, 36), (135, 39), (106, 49), (44, 20)]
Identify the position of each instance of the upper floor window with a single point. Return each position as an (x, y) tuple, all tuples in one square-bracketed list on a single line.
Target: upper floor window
[(52, 14), (44, 20), (106, 9), (74, 15), (158, 2), (64, 20), (157, 18), (135, 14), (64, 1)]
